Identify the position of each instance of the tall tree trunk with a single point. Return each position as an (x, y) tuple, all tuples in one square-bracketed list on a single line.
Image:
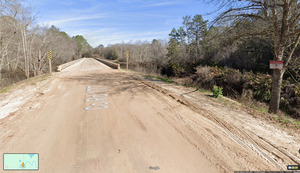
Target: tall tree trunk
[(24, 42), (34, 71), (39, 68), (17, 61), (279, 41), (0, 72), (276, 89)]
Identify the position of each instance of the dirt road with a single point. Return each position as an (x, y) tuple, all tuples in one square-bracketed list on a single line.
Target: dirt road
[(90, 118)]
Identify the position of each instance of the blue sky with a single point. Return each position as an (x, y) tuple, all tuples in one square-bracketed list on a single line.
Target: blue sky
[(113, 21)]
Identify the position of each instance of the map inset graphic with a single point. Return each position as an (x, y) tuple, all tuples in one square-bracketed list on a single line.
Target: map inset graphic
[(20, 161)]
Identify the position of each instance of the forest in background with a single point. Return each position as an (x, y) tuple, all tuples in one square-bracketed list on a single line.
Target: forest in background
[(234, 53), (24, 45)]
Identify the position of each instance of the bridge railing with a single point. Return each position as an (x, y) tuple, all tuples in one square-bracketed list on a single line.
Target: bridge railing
[(68, 64), (109, 63)]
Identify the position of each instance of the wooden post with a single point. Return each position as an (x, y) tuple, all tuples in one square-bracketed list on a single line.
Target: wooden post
[(50, 60), (127, 57), (50, 65)]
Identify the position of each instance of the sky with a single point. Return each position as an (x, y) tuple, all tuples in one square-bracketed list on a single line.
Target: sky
[(115, 21)]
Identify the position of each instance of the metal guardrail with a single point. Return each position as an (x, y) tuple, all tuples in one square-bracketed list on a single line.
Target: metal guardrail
[(108, 63), (68, 64)]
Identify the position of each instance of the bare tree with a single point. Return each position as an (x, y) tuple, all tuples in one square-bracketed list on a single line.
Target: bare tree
[(7, 34), (279, 19), (25, 20), (142, 53), (23, 46), (7, 31), (38, 48)]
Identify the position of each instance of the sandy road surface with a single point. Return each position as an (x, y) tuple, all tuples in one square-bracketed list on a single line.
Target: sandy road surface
[(95, 119)]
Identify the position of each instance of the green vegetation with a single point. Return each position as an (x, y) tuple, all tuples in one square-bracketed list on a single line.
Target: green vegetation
[(164, 79), (288, 121), (83, 47), (6, 89), (205, 91), (248, 87), (232, 52), (159, 78), (217, 91)]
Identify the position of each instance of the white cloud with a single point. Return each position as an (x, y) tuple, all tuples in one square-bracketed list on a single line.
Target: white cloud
[(161, 4), (62, 21), (109, 22), (112, 36)]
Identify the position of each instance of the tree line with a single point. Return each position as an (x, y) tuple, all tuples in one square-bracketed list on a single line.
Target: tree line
[(24, 45), (245, 36), (141, 53)]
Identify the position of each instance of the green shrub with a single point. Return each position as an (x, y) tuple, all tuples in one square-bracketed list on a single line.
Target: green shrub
[(258, 86), (290, 99), (217, 91)]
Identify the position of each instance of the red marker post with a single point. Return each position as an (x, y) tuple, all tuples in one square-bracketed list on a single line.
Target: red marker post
[(276, 65)]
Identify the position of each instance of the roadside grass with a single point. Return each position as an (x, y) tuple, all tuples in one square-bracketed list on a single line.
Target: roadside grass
[(256, 109), (287, 121), (297, 124), (205, 91), (281, 117), (6, 89), (260, 111), (164, 79), (124, 69), (36, 79), (30, 81)]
